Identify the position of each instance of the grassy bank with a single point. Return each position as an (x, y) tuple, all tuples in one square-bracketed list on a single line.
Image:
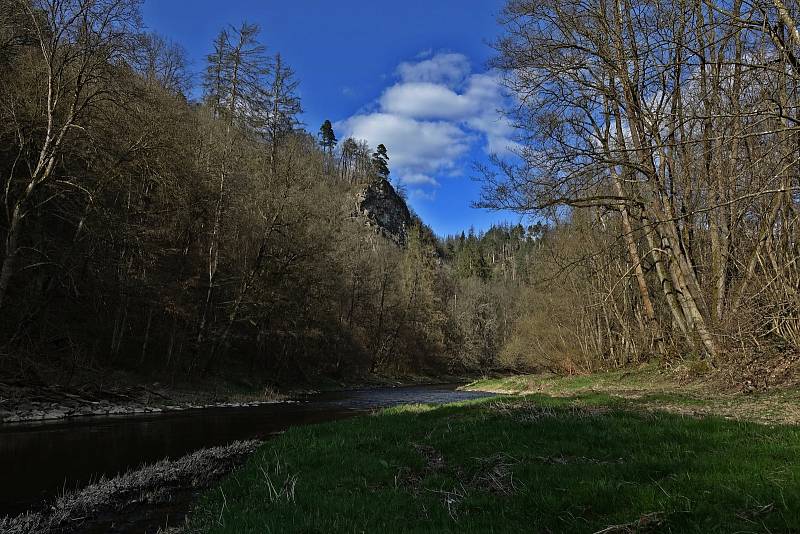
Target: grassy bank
[(587, 462), (653, 388)]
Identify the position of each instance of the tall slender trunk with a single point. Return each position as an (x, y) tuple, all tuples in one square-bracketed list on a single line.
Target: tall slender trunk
[(146, 341), (9, 260)]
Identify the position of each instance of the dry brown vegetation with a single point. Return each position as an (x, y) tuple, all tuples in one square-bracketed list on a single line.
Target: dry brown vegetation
[(661, 140), (79, 511)]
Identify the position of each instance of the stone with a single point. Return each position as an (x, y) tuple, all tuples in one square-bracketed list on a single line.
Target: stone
[(382, 209)]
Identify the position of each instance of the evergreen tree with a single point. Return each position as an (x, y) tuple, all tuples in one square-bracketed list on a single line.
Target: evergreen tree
[(327, 138), (380, 162)]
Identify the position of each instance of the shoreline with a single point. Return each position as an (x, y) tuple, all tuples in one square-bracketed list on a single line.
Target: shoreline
[(61, 413), (29, 404), (53, 403), (167, 483)]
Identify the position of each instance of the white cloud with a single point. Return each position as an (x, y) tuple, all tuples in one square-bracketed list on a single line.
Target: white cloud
[(424, 100), (418, 179), (414, 146), (477, 108), (434, 114), (448, 69)]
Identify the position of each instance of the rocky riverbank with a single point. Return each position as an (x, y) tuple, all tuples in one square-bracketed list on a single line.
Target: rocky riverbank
[(24, 403)]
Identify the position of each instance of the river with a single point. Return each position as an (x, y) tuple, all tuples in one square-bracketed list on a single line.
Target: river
[(37, 461)]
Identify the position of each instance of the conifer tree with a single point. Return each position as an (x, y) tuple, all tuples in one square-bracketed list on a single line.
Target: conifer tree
[(380, 161), (327, 138)]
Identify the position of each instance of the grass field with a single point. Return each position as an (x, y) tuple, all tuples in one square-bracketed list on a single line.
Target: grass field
[(582, 462)]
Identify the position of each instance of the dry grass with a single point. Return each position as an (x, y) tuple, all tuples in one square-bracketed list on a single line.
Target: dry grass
[(151, 484)]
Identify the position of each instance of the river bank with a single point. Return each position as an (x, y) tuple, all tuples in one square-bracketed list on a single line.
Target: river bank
[(122, 395), (104, 505), (569, 462), (673, 390), (39, 462), (21, 403)]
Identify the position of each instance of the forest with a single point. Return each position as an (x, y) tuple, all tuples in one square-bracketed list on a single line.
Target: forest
[(165, 223), (664, 136), (259, 334), (150, 231)]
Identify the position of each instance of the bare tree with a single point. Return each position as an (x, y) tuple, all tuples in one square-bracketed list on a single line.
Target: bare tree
[(81, 43)]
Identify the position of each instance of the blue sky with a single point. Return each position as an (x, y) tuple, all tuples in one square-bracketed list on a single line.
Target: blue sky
[(409, 74)]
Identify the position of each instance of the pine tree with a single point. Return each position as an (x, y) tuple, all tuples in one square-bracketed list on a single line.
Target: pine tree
[(327, 138), (380, 162)]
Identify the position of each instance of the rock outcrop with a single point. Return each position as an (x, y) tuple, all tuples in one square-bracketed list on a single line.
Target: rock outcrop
[(385, 211)]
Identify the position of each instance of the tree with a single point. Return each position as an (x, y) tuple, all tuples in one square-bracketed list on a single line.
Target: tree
[(380, 162), (347, 162), (652, 138), (327, 138), (78, 43), (163, 62), (237, 89), (236, 80), (283, 106)]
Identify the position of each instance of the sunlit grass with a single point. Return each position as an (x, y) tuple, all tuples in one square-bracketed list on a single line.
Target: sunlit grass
[(518, 464), (654, 388)]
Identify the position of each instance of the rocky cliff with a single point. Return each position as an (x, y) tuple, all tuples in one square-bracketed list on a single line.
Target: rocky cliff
[(382, 209)]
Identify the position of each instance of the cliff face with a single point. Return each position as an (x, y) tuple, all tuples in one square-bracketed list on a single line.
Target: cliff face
[(381, 208)]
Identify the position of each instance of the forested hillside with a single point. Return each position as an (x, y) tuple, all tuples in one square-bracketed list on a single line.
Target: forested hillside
[(229, 297), (186, 224), (177, 226)]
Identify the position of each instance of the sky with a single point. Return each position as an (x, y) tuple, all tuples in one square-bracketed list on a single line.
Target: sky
[(412, 75)]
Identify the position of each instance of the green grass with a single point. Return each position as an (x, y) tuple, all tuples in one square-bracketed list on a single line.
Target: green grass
[(654, 388), (649, 377), (516, 464)]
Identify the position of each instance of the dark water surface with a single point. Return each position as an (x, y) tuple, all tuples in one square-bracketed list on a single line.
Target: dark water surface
[(38, 461)]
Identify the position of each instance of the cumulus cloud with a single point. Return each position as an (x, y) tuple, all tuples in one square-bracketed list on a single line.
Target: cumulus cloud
[(443, 68), (415, 146), (435, 113), (426, 101)]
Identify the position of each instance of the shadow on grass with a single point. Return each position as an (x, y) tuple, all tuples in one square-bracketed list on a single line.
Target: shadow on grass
[(588, 463)]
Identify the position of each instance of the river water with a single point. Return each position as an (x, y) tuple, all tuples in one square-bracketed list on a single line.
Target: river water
[(37, 461)]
